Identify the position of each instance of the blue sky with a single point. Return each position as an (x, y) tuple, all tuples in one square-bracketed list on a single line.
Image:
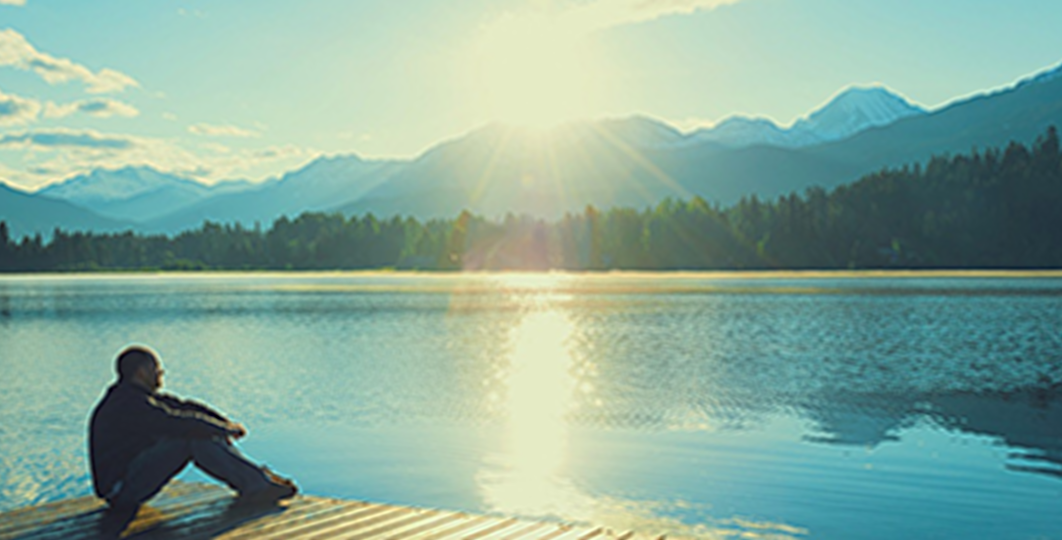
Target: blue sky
[(241, 89)]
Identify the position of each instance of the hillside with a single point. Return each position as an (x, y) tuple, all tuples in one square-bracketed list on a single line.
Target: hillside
[(27, 214)]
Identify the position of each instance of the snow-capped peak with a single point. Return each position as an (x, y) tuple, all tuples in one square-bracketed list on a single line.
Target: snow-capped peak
[(848, 112), (115, 184), (1048, 74), (855, 109), (740, 131)]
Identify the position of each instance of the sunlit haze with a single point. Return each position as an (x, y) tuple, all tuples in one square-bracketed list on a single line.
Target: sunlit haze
[(248, 90), (536, 71), (538, 385)]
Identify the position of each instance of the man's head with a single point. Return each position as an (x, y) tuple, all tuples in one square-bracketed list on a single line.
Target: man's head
[(141, 366)]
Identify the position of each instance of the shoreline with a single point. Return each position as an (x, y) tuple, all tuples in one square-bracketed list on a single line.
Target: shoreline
[(593, 274)]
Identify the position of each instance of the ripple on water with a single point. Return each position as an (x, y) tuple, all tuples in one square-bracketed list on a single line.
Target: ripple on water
[(853, 364)]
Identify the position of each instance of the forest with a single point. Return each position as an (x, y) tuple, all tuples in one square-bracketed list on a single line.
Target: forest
[(996, 208)]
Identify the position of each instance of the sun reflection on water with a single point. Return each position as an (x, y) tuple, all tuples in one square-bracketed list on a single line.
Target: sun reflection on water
[(539, 390), (542, 379)]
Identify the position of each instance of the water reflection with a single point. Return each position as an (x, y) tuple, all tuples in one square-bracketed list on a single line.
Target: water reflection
[(739, 407), (1028, 421), (536, 387)]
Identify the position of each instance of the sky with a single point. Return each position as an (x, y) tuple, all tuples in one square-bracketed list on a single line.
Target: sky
[(241, 89)]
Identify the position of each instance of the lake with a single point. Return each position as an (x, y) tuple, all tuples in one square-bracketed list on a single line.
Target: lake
[(710, 405)]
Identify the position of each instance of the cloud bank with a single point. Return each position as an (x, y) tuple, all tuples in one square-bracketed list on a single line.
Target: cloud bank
[(15, 110), (65, 138), (211, 130), (601, 14), (97, 107), (16, 51), (51, 155)]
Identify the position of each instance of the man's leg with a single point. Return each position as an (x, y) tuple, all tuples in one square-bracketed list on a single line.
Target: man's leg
[(223, 461), (150, 470)]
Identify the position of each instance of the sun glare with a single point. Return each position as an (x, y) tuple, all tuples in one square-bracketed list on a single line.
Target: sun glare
[(540, 392), (534, 71)]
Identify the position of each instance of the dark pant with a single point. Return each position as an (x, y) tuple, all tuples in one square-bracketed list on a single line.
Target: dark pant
[(150, 470)]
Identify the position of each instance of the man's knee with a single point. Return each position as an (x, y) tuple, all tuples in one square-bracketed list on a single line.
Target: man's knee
[(150, 471), (213, 444)]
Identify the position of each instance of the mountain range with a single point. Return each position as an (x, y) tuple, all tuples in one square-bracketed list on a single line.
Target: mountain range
[(125, 193), (27, 214), (853, 110), (497, 169)]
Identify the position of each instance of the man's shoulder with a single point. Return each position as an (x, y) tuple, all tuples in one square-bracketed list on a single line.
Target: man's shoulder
[(120, 393), (114, 400)]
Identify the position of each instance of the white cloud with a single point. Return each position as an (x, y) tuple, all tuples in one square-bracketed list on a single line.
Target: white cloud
[(51, 155), (589, 15), (212, 130), (12, 2), (15, 110), (651, 9), (194, 13), (219, 162), (98, 107), (281, 152), (48, 139), (17, 52)]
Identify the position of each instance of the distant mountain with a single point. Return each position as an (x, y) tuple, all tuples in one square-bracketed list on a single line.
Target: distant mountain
[(633, 161), (135, 193), (1021, 113), (108, 185), (322, 184), (1043, 76), (634, 131), (851, 111), (742, 131), (498, 170), (28, 214)]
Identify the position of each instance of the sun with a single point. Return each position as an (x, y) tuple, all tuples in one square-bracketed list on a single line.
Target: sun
[(533, 70)]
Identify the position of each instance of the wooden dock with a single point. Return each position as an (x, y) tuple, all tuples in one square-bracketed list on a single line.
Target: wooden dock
[(195, 510)]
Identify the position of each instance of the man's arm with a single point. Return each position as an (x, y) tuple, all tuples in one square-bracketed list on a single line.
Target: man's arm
[(154, 416), (191, 405), (236, 430)]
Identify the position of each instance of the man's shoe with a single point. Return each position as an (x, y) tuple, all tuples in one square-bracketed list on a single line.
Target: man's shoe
[(273, 492), (277, 479)]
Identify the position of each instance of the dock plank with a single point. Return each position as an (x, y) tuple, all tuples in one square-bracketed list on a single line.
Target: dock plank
[(305, 528), (196, 510), (392, 513), (525, 530), (79, 520), (432, 520), (36, 516), (441, 519), (394, 526), (299, 510), (469, 524), (499, 526)]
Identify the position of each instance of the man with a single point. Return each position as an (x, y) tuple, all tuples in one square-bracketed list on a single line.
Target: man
[(140, 438)]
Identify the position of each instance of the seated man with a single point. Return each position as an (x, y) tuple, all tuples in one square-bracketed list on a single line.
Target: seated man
[(140, 438)]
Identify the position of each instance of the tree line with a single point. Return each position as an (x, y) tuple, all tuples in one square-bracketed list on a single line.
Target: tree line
[(997, 208)]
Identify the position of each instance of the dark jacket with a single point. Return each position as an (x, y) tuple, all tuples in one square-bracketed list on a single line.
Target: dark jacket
[(130, 419)]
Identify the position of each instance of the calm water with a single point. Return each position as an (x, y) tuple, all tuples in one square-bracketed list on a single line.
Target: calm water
[(705, 405)]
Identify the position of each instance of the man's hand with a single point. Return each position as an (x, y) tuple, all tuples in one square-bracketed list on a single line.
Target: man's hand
[(236, 431)]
